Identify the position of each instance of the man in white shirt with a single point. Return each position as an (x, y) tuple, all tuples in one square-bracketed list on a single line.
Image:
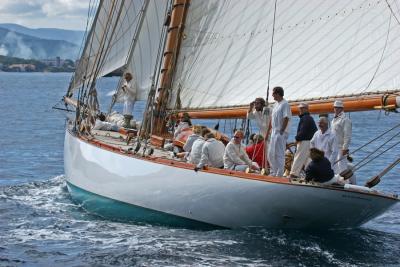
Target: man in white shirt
[(260, 113), (235, 157), (341, 127), (281, 115), (212, 153), (128, 98), (194, 155), (187, 147), (325, 140)]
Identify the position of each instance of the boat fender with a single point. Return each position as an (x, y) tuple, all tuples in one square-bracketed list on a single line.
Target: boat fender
[(358, 188)]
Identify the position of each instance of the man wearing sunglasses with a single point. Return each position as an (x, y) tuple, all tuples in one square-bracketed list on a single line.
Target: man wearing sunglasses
[(235, 157)]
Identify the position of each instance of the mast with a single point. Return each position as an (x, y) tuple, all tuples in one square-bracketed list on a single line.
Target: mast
[(174, 37)]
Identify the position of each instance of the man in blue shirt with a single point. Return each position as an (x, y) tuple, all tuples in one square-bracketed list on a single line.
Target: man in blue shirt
[(305, 131)]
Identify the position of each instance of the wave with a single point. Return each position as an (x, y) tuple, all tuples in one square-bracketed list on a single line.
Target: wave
[(42, 226)]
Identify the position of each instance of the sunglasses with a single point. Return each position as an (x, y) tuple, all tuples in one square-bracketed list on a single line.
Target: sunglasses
[(237, 137)]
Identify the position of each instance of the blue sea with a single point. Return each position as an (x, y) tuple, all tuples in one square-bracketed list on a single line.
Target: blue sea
[(41, 226)]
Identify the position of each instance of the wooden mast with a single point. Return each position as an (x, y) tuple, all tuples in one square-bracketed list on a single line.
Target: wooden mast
[(174, 37), (351, 104)]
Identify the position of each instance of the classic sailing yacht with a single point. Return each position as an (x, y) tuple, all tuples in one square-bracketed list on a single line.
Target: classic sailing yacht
[(211, 58)]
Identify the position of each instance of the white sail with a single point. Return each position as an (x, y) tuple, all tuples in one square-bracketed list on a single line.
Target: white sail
[(109, 42), (321, 49), (142, 62)]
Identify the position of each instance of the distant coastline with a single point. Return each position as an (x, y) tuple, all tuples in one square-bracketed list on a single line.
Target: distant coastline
[(14, 64)]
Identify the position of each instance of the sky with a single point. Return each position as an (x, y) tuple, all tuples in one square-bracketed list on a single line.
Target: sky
[(64, 14)]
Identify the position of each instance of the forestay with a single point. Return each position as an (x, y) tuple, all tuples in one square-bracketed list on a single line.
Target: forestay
[(321, 49), (142, 61), (108, 44)]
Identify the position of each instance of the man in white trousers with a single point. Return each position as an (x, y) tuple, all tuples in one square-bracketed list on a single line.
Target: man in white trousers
[(305, 131), (341, 127), (281, 115), (128, 98)]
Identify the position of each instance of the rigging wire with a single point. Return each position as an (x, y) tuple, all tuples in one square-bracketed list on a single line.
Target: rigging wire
[(359, 167), (391, 11), (87, 88), (381, 59), (370, 142), (102, 59), (148, 112), (91, 11), (141, 17), (82, 61), (270, 53), (95, 69), (387, 141), (376, 138)]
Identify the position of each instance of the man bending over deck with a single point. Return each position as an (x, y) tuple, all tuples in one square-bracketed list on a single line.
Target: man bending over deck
[(212, 153), (102, 124)]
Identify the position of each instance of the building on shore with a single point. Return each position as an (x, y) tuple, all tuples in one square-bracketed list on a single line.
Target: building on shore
[(22, 67), (53, 62)]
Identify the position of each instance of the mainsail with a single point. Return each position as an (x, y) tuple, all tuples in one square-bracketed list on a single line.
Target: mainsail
[(321, 50), (109, 42)]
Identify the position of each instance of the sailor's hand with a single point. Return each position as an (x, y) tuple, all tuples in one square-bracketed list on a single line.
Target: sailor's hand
[(345, 152), (253, 167)]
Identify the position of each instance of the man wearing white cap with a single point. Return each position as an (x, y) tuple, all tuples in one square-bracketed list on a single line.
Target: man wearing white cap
[(305, 131), (341, 127)]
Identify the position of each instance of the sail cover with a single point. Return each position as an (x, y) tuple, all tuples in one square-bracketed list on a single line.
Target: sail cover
[(143, 59), (321, 49), (109, 41)]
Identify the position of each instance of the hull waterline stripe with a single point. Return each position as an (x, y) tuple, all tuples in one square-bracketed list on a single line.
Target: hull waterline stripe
[(117, 210)]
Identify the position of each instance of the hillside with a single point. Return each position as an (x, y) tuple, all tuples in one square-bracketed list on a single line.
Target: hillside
[(71, 36), (20, 45), (14, 64)]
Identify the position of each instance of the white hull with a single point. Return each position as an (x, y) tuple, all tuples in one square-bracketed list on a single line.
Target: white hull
[(215, 199)]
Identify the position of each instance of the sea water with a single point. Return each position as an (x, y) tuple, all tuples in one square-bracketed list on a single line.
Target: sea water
[(41, 226)]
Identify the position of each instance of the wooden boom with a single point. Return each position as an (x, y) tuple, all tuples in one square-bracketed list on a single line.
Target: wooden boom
[(351, 104)]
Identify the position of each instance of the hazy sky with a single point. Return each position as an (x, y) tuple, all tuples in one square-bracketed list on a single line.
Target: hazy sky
[(65, 14)]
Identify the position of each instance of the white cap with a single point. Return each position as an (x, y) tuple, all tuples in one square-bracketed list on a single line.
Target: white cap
[(338, 104), (303, 105)]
